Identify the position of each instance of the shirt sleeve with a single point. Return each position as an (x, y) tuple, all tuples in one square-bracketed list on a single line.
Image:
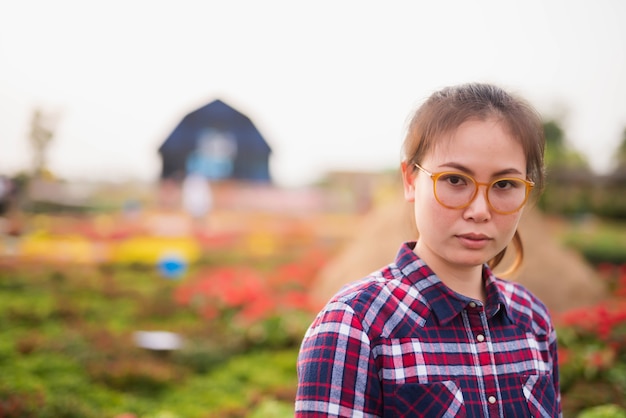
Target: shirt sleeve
[(555, 368), (337, 376)]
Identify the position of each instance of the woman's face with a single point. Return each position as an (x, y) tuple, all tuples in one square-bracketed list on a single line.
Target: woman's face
[(468, 237)]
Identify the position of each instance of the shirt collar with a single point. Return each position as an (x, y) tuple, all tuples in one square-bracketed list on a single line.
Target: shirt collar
[(445, 303)]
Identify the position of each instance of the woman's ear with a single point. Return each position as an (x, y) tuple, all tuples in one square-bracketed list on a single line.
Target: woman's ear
[(408, 180)]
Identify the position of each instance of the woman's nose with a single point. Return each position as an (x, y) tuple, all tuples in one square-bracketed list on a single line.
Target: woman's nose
[(478, 209)]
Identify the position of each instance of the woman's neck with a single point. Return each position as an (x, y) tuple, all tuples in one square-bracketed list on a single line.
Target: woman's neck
[(470, 285), (465, 280)]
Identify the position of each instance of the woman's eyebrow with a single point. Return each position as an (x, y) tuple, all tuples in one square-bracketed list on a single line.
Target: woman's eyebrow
[(464, 169), (456, 166)]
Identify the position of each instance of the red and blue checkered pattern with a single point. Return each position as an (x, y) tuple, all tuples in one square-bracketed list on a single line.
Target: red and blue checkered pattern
[(402, 344)]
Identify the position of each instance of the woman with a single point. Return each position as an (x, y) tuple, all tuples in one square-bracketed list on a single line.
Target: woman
[(435, 333)]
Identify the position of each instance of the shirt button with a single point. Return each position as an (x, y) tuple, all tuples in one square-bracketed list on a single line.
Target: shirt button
[(472, 304), (480, 338), (492, 399)]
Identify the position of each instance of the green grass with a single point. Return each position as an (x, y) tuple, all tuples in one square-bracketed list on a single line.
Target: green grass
[(603, 242), (66, 350)]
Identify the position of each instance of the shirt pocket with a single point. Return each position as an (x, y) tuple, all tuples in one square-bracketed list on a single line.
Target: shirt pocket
[(431, 400), (540, 395)]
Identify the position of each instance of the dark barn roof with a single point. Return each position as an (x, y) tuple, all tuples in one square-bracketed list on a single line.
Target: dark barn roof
[(251, 161)]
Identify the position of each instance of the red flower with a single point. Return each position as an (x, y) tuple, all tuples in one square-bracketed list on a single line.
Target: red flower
[(257, 309), (296, 300), (254, 296), (564, 355)]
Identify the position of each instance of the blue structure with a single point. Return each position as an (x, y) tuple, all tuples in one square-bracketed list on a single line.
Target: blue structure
[(217, 142)]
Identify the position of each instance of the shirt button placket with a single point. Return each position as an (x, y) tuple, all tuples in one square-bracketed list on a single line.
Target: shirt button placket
[(494, 410), (475, 315)]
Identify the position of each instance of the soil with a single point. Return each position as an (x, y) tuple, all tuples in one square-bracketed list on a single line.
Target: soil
[(560, 277)]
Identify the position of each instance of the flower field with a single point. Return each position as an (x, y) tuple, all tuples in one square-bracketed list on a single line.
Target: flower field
[(72, 302), (75, 294), (592, 353)]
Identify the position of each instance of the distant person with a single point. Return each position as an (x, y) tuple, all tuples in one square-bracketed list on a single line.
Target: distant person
[(5, 194), (436, 333), (197, 196)]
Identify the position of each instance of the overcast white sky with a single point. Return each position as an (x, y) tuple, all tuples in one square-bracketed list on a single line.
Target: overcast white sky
[(328, 83)]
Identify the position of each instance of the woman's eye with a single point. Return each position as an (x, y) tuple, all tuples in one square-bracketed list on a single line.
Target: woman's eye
[(456, 180), (505, 184)]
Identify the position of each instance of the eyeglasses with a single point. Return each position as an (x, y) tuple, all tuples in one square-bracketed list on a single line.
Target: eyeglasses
[(457, 191)]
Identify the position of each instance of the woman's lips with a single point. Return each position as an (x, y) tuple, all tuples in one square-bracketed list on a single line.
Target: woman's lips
[(474, 241)]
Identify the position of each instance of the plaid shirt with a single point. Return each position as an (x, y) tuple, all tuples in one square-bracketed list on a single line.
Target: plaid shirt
[(402, 344)]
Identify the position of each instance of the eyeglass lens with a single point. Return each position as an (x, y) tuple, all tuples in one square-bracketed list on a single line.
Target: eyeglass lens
[(457, 190)]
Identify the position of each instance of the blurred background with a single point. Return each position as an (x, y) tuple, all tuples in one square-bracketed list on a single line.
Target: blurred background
[(184, 184)]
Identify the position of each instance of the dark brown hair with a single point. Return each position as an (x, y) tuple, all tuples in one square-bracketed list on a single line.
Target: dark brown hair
[(445, 110)]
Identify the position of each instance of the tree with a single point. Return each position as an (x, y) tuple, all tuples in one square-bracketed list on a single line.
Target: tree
[(558, 153), (620, 153), (41, 134), (569, 178)]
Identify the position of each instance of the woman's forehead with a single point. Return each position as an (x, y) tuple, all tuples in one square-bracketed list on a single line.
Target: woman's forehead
[(478, 141)]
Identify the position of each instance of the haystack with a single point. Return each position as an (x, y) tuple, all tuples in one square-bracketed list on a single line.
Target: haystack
[(557, 275)]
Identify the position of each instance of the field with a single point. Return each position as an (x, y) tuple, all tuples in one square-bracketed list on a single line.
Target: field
[(225, 306)]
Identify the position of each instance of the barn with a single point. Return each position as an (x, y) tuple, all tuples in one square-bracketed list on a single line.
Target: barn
[(217, 142)]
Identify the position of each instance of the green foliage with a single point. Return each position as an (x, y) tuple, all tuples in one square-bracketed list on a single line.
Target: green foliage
[(558, 154), (601, 243), (604, 411), (608, 200), (573, 189), (67, 349), (555, 135), (620, 153), (273, 409)]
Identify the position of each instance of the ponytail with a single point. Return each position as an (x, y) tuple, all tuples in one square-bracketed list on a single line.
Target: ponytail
[(517, 262)]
